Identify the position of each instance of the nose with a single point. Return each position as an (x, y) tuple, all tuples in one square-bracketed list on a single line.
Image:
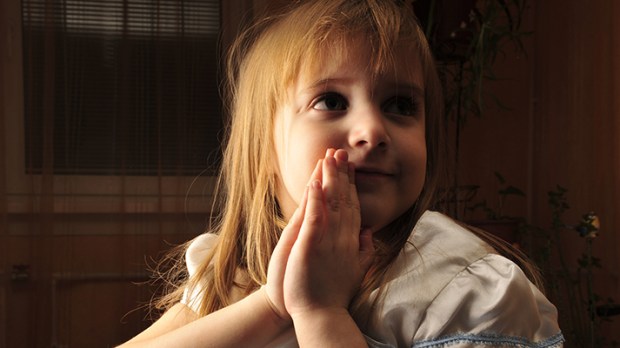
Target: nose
[(369, 130)]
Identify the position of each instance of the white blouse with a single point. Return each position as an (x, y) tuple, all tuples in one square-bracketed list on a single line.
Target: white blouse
[(447, 289)]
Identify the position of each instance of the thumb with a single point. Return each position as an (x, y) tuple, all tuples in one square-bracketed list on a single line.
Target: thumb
[(289, 235), (279, 259)]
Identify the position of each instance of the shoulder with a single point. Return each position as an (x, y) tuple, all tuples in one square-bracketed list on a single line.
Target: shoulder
[(447, 284), (491, 302), (195, 256), (197, 251), (436, 251)]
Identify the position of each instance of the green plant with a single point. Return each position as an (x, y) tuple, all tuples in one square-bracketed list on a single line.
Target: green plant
[(571, 285), (467, 37), (504, 191)]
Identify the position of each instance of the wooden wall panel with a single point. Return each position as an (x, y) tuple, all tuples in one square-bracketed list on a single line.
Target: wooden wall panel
[(94, 292), (563, 129), (575, 124)]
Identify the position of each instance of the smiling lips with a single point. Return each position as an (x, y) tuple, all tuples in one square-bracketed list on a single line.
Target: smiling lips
[(369, 175)]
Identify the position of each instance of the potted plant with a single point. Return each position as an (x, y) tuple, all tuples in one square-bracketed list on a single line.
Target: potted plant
[(570, 282), (467, 37)]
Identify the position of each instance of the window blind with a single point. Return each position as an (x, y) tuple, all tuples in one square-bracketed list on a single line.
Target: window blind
[(121, 87)]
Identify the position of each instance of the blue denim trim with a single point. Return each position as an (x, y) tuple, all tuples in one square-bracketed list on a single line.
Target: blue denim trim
[(491, 340)]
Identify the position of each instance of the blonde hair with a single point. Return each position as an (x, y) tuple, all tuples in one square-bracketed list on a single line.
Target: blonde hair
[(262, 63)]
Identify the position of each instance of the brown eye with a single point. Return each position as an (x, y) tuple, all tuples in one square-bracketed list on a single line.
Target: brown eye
[(330, 102), (404, 106)]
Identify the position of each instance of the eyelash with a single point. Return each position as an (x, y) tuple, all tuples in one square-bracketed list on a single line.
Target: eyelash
[(411, 107), (341, 104)]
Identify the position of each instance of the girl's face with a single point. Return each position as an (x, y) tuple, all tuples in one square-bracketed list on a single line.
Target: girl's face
[(378, 120)]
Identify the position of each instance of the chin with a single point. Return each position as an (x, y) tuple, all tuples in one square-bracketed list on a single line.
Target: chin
[(375, 217), (372, 220)]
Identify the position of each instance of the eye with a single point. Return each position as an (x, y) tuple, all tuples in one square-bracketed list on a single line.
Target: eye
[(330, 102), (404, 106)]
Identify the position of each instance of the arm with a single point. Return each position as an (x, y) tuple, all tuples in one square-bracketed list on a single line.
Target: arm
[(328, 259), (251, 322), (328, 328), (302, 283)]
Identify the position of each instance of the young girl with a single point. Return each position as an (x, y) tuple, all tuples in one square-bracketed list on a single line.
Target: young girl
[(324, 237)]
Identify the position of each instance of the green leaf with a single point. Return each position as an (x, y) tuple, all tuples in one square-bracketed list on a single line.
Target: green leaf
[(500, 178), (511, 190)]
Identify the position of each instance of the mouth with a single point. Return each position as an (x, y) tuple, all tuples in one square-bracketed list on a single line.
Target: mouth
[(363, 175)]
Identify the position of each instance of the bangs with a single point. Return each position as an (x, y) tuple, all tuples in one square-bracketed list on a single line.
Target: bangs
[(303, 40), (272, 55), (400, 58)]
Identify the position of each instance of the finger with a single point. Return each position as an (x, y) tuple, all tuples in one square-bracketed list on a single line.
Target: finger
[(298, 215), (331, 187), (350, 211), (291, 231), (342, 160), (313, 225), (351, 174), (280, 257), (317, 173), (356, 218), (367, 249), (342, 156)]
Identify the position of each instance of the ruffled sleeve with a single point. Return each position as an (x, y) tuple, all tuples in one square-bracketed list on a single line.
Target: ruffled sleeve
[(194, 257), (491, 303)]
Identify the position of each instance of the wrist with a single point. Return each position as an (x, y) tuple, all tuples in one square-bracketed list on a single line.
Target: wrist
[(327, 327), (279, 318), (320, 316)]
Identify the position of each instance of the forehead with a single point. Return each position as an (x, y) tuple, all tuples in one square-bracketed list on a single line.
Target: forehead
[(402, 63)]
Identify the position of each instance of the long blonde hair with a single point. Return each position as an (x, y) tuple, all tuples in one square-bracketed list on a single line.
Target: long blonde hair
[(262, 63)]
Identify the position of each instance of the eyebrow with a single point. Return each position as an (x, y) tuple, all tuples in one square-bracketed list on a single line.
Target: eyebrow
[(326, 81), (414, 88)]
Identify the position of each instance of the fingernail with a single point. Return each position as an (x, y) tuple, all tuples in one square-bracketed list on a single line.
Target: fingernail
[(343, 155), (330, 160)]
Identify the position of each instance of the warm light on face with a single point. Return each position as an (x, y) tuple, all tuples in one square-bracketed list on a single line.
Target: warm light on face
[(379, 119)]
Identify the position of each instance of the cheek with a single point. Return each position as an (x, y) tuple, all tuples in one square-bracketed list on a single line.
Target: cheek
[(301, 158), (298, 149), (416, 165)]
